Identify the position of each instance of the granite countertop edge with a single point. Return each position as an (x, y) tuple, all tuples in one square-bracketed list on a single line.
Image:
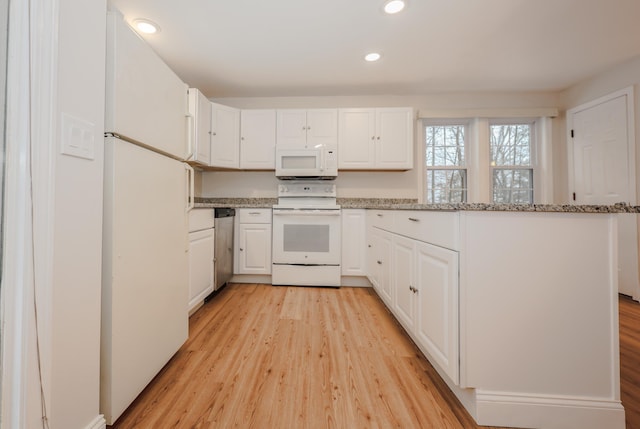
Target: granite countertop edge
[(411, 204)]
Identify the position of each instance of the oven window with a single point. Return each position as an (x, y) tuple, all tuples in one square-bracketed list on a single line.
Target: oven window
[(298, 162), (306, 238)]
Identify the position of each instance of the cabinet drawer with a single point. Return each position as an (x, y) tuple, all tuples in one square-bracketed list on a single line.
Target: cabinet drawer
[(435, 227), (382, 219), (200, 219), (254, 216)]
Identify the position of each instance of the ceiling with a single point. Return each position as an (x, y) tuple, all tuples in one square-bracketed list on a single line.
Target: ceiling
[(246, 48)]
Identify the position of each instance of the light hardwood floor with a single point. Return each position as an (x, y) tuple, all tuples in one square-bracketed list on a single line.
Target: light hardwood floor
[(269, 357)]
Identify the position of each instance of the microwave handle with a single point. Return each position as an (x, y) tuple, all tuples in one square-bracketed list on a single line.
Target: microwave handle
[(321, 160)]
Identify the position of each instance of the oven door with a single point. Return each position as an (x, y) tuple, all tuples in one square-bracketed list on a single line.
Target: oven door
[(306, 236)]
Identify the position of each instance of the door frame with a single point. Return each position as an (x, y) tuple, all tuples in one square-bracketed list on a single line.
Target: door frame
[(631, 139)]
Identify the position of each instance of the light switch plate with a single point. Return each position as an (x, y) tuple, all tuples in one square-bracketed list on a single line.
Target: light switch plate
[(78, 137)]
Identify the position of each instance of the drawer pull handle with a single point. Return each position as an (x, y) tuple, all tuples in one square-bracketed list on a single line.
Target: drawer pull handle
[(379, 214), (413, 219), (254, 213)]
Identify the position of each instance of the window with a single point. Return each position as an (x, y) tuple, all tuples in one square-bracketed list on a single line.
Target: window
[(511, 166), (445, 161)]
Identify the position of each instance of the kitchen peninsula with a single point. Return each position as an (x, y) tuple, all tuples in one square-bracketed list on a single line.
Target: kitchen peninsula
[(514, 305)]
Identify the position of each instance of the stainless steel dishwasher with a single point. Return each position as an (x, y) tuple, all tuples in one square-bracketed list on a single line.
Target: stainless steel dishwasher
[(223, 252)]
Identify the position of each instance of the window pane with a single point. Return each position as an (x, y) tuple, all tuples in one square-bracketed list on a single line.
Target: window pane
[(510, 145), (513, 186), (446, 186), (444, 145)]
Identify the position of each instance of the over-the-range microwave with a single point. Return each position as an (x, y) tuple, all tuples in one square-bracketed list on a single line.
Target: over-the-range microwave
[(311, 163)]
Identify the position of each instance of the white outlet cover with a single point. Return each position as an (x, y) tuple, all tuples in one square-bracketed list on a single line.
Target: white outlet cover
[(78, 137)]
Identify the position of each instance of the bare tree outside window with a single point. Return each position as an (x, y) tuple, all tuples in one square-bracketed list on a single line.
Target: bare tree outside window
[(511, 163), (445, 162)]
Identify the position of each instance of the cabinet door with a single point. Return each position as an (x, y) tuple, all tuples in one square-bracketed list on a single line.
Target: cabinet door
[(291, 129), (353, 242), (200, 133), (394, 138), (356, 139), (437, 309), (257, 139), (403, 281), (254, 249), (201, 245), (225, 136), (380, 265), (322, 127)]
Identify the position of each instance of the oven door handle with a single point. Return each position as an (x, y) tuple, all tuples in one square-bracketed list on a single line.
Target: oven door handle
[(303, 212)]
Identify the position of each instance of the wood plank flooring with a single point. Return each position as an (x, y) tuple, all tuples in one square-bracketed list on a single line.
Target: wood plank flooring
[(629, 311), (269, 357)]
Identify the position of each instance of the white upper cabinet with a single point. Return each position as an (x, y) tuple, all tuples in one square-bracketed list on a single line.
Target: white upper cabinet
[(200, 131), (225, 136), (257, 139), (380, 139), (299, 128)]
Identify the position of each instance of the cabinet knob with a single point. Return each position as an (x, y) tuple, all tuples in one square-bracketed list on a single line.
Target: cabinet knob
[(373, 137), (368, 245), (379, 262), (213, 134), (241, 138), (378, 137), (241, 249)]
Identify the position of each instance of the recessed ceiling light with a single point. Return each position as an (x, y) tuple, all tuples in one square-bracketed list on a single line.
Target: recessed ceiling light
[(373, 56), (394, 6), (146, 26)]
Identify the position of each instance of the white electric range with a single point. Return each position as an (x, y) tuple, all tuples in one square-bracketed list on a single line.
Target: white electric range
[(306, 235)]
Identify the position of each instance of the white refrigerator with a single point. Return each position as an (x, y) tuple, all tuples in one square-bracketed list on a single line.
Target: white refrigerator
[(148, 192)]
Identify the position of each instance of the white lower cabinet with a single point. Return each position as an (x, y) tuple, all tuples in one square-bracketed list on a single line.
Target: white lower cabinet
[(201, 256), (437, 315), (419, 282), (253, 244), (379, 263), (353, 242), (403, 281)]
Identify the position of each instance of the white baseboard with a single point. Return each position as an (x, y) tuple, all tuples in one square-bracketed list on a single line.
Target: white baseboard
[(542, 411), (98, 423), (350, 281)]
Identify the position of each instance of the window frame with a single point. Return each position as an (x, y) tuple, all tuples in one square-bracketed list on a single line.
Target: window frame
[(425, 123), (533, 145)]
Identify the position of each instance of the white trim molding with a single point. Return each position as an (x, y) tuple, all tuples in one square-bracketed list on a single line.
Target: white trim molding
[(98, 423), (533, 112), (546, 411)]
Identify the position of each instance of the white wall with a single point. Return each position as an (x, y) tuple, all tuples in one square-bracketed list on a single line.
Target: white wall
[(77, 250), (399, 184)]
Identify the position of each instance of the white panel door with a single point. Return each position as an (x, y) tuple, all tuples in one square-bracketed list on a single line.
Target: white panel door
[(394, 138), (225, 136), (254, 249), (600, 154), (437, 305), (356, 138), (200, 133), (291, 128), (322, 127), (201, 245), (353, 242), (145, 100), (604, 173), (403, 281), (258, 139)]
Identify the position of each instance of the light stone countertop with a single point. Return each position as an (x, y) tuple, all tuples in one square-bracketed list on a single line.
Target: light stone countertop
[(410, 204)]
